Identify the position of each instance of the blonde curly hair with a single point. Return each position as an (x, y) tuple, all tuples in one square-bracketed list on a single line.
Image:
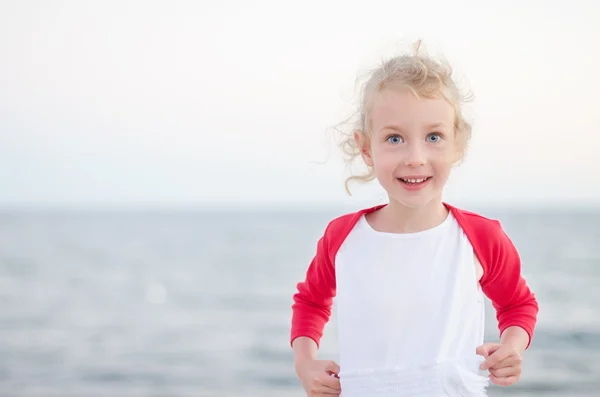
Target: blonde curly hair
[(425, 77)]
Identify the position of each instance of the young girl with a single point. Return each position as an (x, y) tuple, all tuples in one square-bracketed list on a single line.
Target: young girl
[(409, 276)]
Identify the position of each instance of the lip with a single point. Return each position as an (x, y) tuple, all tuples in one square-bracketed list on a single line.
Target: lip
[(414, 176), (416, 186)]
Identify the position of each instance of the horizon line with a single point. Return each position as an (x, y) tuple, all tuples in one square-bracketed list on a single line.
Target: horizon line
[(323, 205)]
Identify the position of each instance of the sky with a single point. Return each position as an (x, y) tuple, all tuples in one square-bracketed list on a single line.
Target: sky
[(147, 103)]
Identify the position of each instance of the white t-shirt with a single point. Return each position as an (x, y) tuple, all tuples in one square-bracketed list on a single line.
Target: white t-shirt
[(410, 313)]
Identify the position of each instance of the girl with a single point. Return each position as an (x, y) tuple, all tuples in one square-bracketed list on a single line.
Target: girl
[(409, 276)]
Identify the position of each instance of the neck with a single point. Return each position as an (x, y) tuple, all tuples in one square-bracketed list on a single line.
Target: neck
[(398, 218)]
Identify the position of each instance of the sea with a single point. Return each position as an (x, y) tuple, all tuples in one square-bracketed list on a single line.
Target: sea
[(198, 302)]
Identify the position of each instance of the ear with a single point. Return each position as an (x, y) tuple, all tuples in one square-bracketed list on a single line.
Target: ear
[(364, 146), (456, 157), (459, 153)]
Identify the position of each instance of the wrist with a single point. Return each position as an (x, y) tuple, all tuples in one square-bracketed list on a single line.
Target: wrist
[(304, 349), (515, 337), (300, 359)]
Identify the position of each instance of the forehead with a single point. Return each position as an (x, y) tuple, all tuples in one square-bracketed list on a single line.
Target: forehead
[(402, 109)]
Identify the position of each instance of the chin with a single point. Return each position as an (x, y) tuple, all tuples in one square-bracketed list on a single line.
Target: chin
[(413, 198)]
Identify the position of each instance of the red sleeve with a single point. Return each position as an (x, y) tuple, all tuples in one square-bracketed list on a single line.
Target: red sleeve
[(312, 302), (504, 285)]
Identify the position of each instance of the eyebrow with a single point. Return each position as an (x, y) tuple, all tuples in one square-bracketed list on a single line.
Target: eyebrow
[(390, 127), (398, 129), (436, 125)]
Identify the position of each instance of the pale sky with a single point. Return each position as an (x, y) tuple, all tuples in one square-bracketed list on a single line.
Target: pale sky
[(187, 103)]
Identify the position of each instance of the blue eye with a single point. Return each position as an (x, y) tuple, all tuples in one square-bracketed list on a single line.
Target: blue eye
[(433, 138), (394, 139)]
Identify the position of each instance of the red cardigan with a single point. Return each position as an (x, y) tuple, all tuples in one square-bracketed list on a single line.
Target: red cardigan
[(501, 282)]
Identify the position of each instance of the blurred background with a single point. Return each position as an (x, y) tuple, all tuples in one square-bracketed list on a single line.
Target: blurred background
[(166, 169)]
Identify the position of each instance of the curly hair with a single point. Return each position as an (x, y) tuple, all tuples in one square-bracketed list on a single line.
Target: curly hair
[(425, 77)]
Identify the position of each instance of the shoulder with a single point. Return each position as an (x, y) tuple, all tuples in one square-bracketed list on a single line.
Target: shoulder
[(473, 218), (492, 246), (476, 224), (343, 223), (339, 227), (487, 236)]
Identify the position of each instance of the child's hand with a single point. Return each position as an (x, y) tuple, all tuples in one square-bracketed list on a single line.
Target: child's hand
[(503, 362), (319, 377)]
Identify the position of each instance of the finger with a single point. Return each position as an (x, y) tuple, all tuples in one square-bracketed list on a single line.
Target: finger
[(332, 367), (507, 381), (320, 390), (329, 382), (316, 392), (486, 349), (505, 372), (329, 392), (495, 358), (510, 361)]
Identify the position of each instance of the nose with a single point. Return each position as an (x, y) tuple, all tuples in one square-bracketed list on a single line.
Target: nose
[(415, 155)]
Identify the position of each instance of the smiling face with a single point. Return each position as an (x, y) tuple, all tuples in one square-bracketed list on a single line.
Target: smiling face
[(411, 146)]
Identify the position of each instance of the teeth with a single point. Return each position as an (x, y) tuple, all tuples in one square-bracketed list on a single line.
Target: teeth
[(414, 180)]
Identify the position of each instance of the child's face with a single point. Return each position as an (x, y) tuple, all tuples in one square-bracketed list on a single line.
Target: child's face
[(412, 147)]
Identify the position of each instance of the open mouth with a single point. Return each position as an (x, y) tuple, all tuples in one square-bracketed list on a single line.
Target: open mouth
[(414, 181)]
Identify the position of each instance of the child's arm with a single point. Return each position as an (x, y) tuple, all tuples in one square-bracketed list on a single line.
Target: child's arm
[(318, 377), (503, 284), (313, 300), (515, 336), (304, 348), (310, 312), (516, 311)]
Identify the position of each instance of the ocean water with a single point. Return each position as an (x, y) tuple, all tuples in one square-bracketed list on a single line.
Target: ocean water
[(198, 303)]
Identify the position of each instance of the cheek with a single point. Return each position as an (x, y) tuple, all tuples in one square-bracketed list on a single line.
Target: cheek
[(385, 161), (447, 155), (385, 166), (444, 162), (455, 151)]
